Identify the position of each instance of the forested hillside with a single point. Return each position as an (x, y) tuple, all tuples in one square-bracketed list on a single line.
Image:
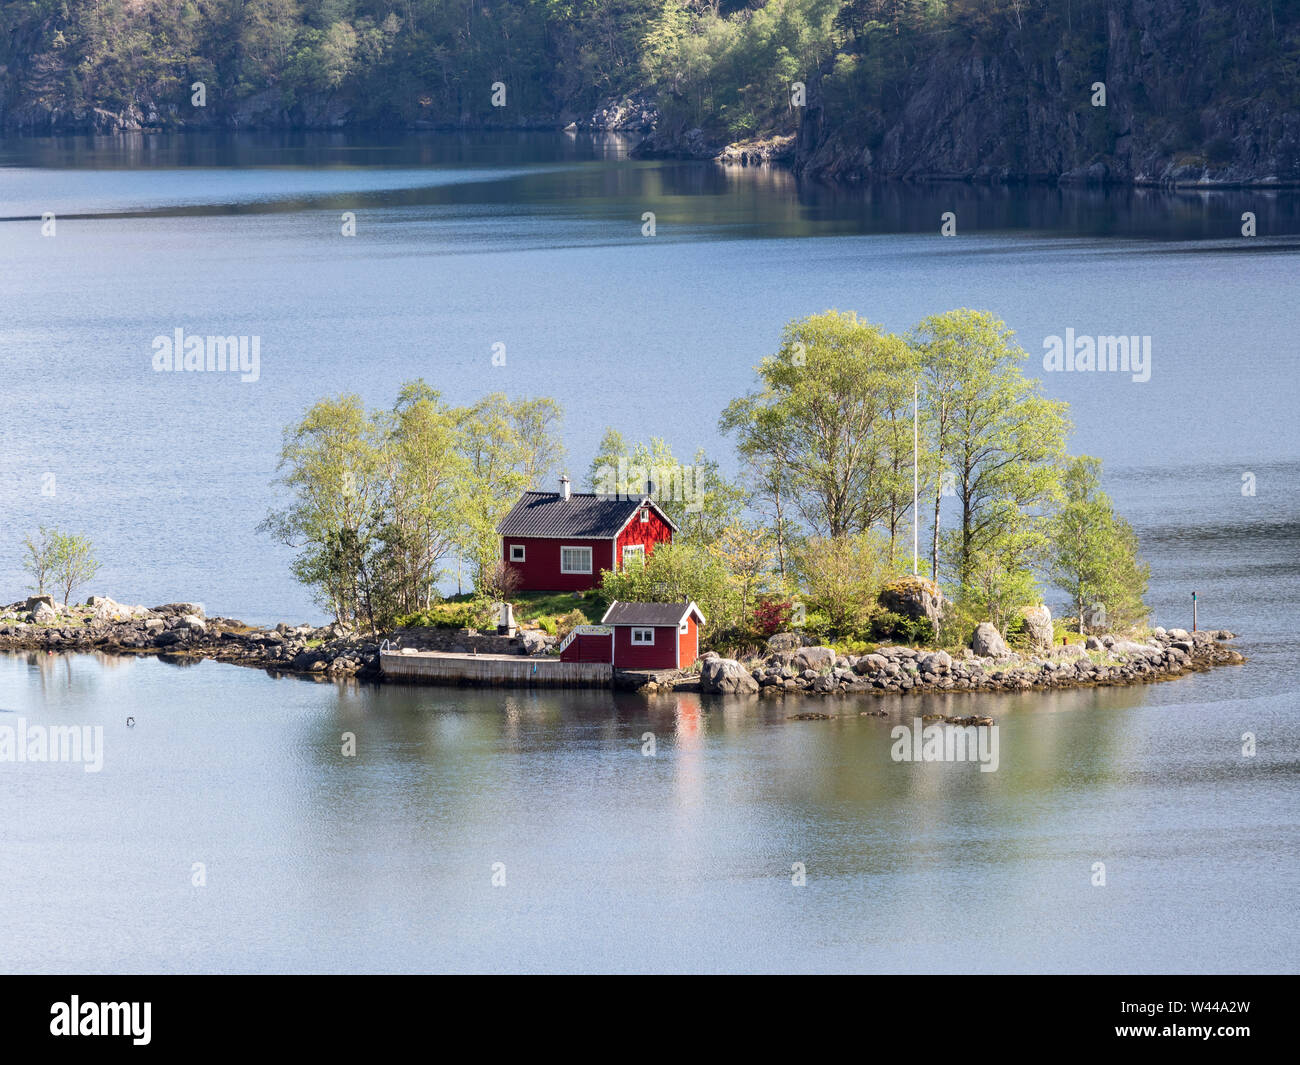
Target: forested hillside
[(999, 88)]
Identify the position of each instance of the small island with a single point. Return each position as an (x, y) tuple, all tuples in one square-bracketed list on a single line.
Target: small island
[(799, 576)]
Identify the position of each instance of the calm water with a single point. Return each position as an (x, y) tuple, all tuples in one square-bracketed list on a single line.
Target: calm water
[(614, 860)]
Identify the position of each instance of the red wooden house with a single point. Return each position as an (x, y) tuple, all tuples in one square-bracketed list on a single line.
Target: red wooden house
[(639, 636), (560, 541)]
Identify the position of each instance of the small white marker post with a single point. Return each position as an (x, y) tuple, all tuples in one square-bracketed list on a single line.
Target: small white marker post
[(1193, 611)]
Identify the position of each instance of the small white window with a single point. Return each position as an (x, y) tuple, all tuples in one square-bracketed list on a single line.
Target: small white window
[(685, 627), (645, 515), (516, 552), (633, 554), (643, 637), (575, 560)]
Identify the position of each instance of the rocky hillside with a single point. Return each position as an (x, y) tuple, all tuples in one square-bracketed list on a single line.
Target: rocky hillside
[(1195, 91), (1200, 92)]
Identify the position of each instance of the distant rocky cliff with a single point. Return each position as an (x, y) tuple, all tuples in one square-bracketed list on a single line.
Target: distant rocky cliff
[(1197, 92), (1010, 114)]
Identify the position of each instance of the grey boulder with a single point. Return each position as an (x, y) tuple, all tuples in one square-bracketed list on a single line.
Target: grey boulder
[(1038, 625), (726, 676), (988, 642)]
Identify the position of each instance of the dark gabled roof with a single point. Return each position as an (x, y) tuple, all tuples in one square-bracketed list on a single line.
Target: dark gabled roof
[(584, 515), (650, 615)]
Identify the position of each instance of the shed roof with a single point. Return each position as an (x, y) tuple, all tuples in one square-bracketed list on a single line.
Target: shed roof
[(650, 615)]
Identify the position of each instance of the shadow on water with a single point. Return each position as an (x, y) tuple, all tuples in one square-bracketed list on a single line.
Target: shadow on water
[(591, 176)]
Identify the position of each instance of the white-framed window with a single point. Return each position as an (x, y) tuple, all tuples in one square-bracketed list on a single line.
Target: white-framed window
[(645, 515), (685, 627), (633, 554), (516, 552), (575, 559), (643, 637)]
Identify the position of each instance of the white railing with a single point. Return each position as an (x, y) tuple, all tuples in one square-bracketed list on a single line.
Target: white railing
[(585, 630)]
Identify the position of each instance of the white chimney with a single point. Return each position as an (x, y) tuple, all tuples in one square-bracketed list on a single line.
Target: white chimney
[(564, 486)]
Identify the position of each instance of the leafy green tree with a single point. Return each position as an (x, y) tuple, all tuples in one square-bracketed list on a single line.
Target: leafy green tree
[(380, 502), (42, 555), (1094, 552), (509, 446), (74, 563), (996, 587), (822, 416), (424, 476), (992, 429), (745, 552), (331, 463), (842, 578)]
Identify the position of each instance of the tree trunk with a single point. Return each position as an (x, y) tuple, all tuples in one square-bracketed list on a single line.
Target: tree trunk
[(934, 545)]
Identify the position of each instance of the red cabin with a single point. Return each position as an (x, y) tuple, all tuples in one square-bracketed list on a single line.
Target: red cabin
[(639, 636), (560, 541)]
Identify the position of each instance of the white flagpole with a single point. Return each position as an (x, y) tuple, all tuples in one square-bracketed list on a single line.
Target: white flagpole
[(916, 511)]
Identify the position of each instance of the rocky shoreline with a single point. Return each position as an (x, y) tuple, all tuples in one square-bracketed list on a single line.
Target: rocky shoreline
[(811, 149), (990, 667), (181, 632)]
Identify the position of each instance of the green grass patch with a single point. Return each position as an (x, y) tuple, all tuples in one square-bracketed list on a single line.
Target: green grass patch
[(533, 606)]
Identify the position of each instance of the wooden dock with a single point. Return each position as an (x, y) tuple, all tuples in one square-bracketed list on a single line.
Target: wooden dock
[(511, 671)]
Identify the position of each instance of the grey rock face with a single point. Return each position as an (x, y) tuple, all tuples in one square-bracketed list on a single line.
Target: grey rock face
[(988, 642), (1038, 626), (815, 658), (726, 676), (180, 609)]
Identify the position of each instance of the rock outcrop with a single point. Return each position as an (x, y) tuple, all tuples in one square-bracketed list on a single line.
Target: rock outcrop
[(988, 642), (726, 676), (1038, 626), (907, 670), (915, 597)]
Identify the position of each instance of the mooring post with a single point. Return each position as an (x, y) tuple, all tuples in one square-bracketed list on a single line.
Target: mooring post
[(1193, 611)]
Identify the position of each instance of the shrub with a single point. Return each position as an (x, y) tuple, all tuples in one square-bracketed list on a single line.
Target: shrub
[(566, 623), (772, 615), (447, 616), (62, 559), (1017, 634), (548, 625), (736, 642), (816, 624), (672, 574), (899, 627)]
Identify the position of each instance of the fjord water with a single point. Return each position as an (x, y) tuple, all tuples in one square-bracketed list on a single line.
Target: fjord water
[(614, 860)]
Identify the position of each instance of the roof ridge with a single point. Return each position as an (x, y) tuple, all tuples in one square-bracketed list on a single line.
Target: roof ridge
[(573, 495)]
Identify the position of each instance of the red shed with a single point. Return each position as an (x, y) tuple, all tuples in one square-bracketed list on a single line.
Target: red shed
[(560, 541), (654, 635)]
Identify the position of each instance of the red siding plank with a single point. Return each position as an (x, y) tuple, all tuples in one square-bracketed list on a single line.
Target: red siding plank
[(690, 641), (663, 655), (647, 534), (587, 648), (540, 570)]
